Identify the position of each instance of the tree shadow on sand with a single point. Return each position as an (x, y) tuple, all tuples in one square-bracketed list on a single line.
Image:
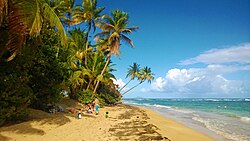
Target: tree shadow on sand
[(3, 138), (39, 118), (26, 128)]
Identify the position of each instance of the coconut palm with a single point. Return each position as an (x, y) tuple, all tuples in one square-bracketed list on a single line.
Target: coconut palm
[(93, 68), (22, 18), (90, 13), (114, 29), (145, 74), (76, 41), (132, 73), (64, 10)]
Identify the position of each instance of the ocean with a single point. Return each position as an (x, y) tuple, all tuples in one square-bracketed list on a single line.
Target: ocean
[(223, 119)]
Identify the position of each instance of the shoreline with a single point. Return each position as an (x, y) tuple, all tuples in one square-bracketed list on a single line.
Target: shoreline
[(221, 119), (190, 124), (175, 130), (125, 122)]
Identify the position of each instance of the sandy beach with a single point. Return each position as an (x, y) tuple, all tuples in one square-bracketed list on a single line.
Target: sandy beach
[(123, 123)]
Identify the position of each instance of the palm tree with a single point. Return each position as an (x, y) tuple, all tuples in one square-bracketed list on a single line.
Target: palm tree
[(76, 42), (22, 18), (64, 10), (87, 13), (114, 29), (94, 67), (132, 73), (145, 74)]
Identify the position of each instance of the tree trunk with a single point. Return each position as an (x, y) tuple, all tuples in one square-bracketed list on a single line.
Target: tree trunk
[(132, 87), (87, 44), (90, 81), (72, 93), (86, 48), (125, 85), (103, 70)]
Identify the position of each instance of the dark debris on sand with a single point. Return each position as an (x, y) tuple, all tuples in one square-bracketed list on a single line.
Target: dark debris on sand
[(136, 129)]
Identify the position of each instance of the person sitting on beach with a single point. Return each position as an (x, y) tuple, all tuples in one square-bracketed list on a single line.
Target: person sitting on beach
[(89, 108)]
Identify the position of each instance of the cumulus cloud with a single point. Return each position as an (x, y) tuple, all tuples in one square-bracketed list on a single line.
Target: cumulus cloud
[(200, 81), (234, 54), (209, 80), (118, 82), (158, 85)]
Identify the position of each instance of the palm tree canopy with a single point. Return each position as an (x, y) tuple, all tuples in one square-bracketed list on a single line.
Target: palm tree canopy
[(64, 10), (133, 70), (146, 74), (26, 18), (77, 36), (114, 28), (88, 12)]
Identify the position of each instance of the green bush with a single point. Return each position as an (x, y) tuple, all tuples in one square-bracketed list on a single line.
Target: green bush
[(85, 96), (33, 77), (16, 95), (108, 98)]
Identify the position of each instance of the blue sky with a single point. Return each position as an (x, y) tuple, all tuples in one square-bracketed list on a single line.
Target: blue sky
[(196, 48)]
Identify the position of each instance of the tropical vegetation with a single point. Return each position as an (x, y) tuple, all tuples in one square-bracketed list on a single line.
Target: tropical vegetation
[(46, 53)]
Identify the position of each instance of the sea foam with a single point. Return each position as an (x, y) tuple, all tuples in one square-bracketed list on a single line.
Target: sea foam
[(245, 119), (218, 126)]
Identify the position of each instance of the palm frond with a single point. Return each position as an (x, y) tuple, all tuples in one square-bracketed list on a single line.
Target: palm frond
[(101, 35), (114, 36), (126, 31), (17, 30), (37, 22), (94, 25), (3, 10), (109, 20), (133, 28), (122, 23), (97, 13), (108, 27), (77, 8), (129, 30), (127, 40), (77, 20), (54, 20)]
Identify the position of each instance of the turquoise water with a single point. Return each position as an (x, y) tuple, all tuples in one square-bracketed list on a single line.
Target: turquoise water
[(229, 118)]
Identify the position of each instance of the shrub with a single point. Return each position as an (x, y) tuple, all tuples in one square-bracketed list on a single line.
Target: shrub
[(16, 95)]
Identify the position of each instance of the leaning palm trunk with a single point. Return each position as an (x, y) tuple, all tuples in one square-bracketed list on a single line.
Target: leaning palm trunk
[(103, 70), (86, 46), (132, 87), (125, 85), (90, 81)]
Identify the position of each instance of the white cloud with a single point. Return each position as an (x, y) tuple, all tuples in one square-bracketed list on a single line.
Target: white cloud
[(118, 82), (198, 81), (158, 85), (234, 54), (210, 80)]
